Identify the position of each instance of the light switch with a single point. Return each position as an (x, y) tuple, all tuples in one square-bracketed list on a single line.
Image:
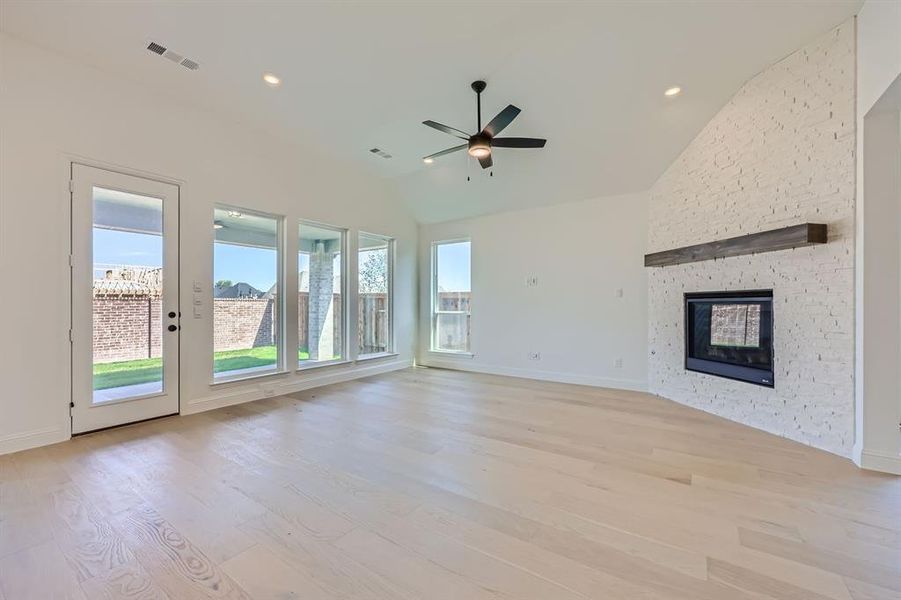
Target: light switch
[(198, 287)]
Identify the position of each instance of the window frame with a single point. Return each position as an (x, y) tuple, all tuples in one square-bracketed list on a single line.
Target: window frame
[(389, 303), (281, 312), (433, 294), (345, 304)]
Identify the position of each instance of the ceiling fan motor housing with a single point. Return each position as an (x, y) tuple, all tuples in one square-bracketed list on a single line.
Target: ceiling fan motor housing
[(479, 146)]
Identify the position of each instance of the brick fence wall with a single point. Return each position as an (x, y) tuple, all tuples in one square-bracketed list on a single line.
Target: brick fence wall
[(240, 323), (130, 327), (127, 327)]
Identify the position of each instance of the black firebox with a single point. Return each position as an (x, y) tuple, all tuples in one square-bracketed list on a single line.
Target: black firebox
[(730, 334)]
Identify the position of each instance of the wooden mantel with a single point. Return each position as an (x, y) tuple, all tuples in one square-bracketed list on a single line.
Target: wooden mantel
[(795, 236)]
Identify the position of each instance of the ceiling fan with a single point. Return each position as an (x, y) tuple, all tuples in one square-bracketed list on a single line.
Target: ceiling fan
[(480, 144)]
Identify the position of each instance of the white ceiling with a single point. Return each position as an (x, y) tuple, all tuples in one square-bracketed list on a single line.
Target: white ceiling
[(588, 76)]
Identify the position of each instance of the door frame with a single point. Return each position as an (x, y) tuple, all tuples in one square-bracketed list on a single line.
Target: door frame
[(68, 160)]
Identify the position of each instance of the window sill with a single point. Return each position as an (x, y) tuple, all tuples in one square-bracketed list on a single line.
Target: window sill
[(247, 377), (376, 356), (322, 363), (451, 353)]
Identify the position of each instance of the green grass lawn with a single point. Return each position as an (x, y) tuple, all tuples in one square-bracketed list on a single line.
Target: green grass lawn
[(131, 372)]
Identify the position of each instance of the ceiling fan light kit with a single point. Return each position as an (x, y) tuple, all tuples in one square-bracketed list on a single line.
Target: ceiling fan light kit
[(479, 145)]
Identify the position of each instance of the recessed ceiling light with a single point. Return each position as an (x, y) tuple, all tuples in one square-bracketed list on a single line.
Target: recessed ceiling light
[(673, 91), (272, 80), (428, 161)]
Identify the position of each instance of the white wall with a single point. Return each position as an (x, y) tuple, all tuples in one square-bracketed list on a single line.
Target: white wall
[(780, 153), (51, 107), (581, 253), (878, 242), (878, 50)]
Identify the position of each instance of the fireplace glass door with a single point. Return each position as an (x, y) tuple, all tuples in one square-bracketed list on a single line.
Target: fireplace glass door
[(730, 334)]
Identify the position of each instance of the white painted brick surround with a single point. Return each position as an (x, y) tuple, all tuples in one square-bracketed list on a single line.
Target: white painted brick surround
[(781, 152)]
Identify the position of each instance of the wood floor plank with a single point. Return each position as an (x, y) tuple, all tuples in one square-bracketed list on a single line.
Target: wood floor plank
[(263, 574), (85, 537), (331, 568), (426, 483), (409, 571), (867, 591), (179, 568), (126, 582), (24, 575), (754, 582), (829, 559)]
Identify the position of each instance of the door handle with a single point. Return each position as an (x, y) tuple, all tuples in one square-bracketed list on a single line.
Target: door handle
[(172, 327)]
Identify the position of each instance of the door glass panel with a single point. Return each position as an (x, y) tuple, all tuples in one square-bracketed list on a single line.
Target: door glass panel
[(127, 239)]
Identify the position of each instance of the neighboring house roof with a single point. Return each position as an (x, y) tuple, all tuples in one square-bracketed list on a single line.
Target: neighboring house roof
[(238, 290)]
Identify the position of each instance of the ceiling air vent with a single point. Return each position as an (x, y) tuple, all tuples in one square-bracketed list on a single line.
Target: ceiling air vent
[(380, 152), (175, 57)]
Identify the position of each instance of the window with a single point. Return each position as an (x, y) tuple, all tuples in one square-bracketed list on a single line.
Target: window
[(375, 260), (320, 301), (451, 296), (247, 299)]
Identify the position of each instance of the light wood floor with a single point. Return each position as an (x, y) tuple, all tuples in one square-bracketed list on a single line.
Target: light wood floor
[(429, 484)]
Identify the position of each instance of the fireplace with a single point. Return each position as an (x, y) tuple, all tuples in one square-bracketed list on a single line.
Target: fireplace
[(730, 334)]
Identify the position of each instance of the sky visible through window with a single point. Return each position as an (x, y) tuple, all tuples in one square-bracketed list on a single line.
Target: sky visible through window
[(113, 247), (245, 264), (454, 267), (256, 266)]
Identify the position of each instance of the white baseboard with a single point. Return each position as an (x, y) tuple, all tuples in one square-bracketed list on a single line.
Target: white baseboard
[(873, 460), (282, 387), (555, 376), (26, 440)]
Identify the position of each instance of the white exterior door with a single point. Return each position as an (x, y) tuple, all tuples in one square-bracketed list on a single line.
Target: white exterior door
[(125, 318)]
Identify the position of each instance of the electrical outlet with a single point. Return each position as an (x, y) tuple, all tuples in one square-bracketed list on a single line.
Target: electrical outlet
[(618, 363), (534, 355), (531, 281)]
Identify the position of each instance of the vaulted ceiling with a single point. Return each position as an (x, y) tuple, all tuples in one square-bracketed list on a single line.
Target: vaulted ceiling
[(588, 76)]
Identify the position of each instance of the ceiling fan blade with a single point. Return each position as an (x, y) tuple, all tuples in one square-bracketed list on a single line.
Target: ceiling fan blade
[(454, 132), (498, 123), (511, 142), (486, 161), (448, 151)]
